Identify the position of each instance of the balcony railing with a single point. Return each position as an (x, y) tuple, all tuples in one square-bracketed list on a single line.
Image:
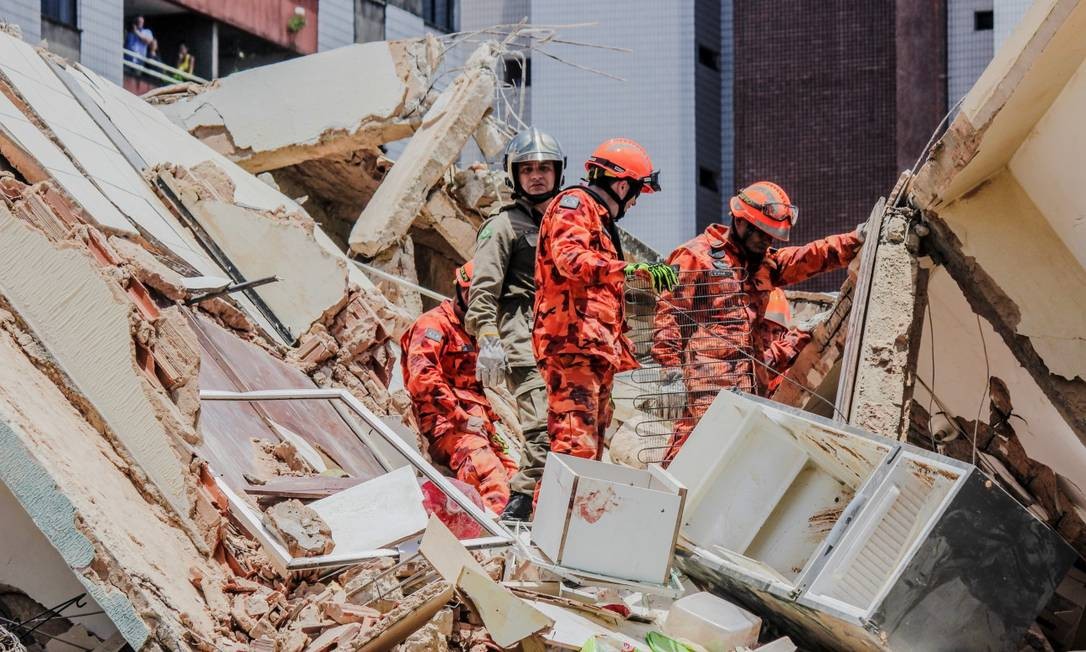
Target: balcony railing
[(139, 64)]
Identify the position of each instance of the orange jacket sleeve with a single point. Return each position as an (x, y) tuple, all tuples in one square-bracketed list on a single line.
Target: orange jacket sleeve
[(425, 382), (572, 249), (795, 264)]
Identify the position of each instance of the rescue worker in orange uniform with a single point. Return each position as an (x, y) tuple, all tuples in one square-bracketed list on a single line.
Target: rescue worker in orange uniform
[(725, 326), (453, 414), (579, 310)]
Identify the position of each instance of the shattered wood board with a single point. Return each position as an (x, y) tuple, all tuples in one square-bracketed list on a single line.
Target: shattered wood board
[(83, 320), (92, 149), (57, 165), (445, 553), (230, 363), (377, 513), (508, 619), (344, 99), (160, 141)]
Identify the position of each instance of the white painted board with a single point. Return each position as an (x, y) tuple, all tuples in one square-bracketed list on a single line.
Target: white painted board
[(375, 513), (602, 518)]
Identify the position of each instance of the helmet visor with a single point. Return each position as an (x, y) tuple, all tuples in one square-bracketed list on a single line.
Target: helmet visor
[(651, 183), (776, 211)]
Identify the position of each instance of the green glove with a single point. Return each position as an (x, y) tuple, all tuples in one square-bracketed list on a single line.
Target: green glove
[(662, 275)]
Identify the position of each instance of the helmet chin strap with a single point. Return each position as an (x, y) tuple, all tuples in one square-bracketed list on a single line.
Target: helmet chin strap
[(741, 240), (605, 183)]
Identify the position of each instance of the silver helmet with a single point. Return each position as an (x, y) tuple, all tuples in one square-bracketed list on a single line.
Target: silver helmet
[(534, 145)]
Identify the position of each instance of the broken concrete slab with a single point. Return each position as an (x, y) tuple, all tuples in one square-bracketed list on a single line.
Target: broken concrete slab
[(445, 129), (312, 281), (712, 622), (300, 528), (339, 101), (374, 514), (77, 489), (83, 319), (1003, 178)]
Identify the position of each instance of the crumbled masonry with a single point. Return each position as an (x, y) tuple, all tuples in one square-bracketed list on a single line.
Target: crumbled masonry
[(188, 523)]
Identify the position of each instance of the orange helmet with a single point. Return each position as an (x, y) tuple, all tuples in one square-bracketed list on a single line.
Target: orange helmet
[(464, 274), (765, 205), (623, 158)]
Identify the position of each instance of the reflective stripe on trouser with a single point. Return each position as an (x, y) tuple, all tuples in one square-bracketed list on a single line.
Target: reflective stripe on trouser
[(527, 388), (477, 461), (579, 404)]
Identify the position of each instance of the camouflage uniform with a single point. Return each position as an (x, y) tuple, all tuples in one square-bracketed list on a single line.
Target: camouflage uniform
[(500, 301), (578, 335), (707, 323), (439, 373)]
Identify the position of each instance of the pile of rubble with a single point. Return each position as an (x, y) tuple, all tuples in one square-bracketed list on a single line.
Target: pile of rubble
[(204, 447)]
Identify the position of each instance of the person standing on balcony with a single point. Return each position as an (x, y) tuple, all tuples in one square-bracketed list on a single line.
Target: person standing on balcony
[(500, 303), (137, 39), (186, 63)]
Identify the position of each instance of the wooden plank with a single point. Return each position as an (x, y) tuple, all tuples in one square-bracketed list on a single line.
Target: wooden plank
[(858, 313), (306, 488)]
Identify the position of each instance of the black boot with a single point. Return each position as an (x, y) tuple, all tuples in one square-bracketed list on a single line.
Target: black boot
[(519, 508)]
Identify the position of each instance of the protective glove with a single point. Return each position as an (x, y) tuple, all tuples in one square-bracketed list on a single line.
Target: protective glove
[(474, 424), (663, 276), (672, 394), (492, 363)]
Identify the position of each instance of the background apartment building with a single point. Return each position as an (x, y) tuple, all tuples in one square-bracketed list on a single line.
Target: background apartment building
[(830, 99)]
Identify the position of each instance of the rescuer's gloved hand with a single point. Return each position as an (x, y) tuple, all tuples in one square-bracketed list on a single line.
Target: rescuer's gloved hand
[(672, 394), (662, 275), (492, 363)]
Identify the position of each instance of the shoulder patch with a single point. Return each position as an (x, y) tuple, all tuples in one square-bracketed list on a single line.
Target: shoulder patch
[(570, 201), (485, 234), (433, 334)]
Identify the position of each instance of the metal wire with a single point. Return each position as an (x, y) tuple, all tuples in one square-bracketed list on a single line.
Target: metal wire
[(689, 348)]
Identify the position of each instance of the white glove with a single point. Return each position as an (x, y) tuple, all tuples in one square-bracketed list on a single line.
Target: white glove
[(474, 424), (672, 395), (492, 364)]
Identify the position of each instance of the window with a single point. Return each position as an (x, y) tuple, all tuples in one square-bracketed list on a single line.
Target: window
[(513, 72), (709, 58), (983, 21), (59, 11), (708, 179), (440, 13)]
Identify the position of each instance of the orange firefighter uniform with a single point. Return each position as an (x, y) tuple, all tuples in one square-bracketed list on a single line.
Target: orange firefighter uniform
[(722, 314), (453, 413), (579, 320)]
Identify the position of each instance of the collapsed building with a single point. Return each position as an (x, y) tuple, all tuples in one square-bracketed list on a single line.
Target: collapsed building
[(200, 295)]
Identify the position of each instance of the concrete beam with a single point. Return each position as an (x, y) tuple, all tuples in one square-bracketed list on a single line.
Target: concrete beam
[(445, 129)]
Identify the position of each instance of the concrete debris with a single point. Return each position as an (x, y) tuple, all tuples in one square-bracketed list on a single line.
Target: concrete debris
[(297, 525), (356, 111), (445, 129)]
